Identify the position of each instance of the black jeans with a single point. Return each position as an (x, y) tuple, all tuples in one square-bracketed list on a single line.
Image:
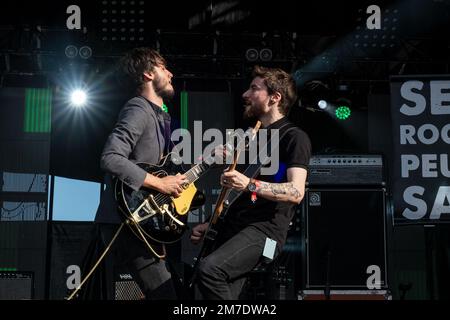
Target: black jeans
[(222, 274), (149, 272)]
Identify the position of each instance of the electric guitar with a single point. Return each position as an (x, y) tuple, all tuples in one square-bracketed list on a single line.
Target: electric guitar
[(159, 216), (222, 205)]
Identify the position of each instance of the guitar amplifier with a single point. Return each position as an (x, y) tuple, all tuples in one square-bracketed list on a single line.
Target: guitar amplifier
[(345, 238), (16, 285), (346, 170), (125, 288)]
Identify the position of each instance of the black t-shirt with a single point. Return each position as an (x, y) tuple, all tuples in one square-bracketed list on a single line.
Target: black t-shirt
[(271, 217)]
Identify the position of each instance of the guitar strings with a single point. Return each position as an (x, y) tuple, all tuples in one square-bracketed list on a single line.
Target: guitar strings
[(191, 175)]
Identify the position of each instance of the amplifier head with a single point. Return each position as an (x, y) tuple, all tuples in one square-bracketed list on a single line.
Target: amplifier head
[(346, 170), (16, 285)]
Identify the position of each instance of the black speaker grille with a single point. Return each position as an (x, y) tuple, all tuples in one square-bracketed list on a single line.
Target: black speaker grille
[(345, 234), (127, 290)]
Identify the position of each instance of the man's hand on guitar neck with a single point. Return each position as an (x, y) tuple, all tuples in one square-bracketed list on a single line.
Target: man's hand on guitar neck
[(171, 185), (198, 232), (234, 179)]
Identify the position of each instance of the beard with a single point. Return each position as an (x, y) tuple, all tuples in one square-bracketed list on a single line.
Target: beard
[(251, 112), (248, 114), (163, 88)]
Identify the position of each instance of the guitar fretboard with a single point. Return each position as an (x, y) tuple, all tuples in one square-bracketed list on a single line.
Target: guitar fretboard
[(196, 172)]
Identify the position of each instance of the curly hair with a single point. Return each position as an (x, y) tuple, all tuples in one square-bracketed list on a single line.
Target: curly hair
[(279, 81)]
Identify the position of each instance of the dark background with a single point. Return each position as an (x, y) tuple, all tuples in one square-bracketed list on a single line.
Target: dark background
[(324, 44)]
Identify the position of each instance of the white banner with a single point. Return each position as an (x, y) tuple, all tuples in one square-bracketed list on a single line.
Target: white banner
[(420, 108)]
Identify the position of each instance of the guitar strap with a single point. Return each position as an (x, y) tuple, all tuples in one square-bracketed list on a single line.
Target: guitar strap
[(252, 171), (255, 164)]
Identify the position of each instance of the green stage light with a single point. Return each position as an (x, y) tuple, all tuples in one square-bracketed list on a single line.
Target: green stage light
[(38, 110), (8, 269), (343, 112), (164, 107)]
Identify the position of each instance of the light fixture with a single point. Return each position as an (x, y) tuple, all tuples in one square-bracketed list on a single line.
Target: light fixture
[(343, 108), (126, 16), (78, 98), (251, 54), (85, 52), (377, 39), (71, 51), (265, 54), (343, 112), (322, 104)]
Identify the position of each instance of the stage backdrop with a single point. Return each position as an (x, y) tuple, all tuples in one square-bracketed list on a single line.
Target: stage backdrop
[(421, 131)]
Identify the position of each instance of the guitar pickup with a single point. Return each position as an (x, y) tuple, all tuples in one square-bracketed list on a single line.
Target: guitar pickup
[(185, 185)]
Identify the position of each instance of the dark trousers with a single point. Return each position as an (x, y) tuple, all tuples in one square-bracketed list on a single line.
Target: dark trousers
[(222, 274), (149, 272)]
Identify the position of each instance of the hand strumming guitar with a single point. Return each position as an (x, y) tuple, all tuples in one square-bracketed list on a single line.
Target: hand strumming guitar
[(171, 185)]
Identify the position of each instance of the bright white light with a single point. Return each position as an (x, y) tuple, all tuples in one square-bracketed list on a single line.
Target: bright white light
[(322, 104), (78, 98)]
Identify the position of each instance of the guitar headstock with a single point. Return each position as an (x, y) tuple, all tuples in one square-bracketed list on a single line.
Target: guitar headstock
[(240, 141), (243, 139)]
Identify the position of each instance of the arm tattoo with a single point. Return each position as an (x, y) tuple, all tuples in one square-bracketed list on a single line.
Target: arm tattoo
[(280, 188)]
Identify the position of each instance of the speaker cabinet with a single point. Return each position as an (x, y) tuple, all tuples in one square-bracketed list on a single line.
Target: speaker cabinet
[(125, 288), (16, 285), (345, 238)]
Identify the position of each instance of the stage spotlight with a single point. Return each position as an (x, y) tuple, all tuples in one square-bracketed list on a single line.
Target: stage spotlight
[(343, 112), (78, 98), (343, 108), (71, 51), (251, 54), (265, 54), (322, 104), (85, 52)]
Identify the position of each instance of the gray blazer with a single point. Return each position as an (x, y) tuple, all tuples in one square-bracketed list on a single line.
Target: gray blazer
[(138, 136)]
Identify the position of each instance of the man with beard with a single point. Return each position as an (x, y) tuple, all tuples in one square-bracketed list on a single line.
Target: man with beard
[(141, 134), (255, 226)]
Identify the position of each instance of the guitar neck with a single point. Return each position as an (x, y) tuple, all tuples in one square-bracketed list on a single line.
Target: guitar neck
[(224, 193), (196, 172)]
